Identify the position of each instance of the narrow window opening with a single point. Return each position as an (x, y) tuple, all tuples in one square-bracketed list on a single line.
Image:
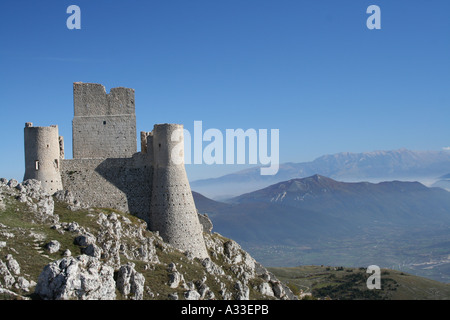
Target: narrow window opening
[(37, 165)]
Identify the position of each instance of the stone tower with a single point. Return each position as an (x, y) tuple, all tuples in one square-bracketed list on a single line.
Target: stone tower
[(43, 150), (104, 124), (173, 212)]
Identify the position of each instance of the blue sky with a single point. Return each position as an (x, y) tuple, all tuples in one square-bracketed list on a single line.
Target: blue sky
[(311, 69)]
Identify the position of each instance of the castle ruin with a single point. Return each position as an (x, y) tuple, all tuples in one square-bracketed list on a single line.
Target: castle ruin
[(108, 171)]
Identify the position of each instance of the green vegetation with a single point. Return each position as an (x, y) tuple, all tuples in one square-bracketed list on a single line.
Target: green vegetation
[(29, 239), (26, 241), (342, 283)]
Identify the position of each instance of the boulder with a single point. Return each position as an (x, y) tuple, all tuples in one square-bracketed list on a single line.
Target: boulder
[(192, 295), (53, 246), (6, 278), (175, 278), (12, 264), (80, 278), (130, 282)]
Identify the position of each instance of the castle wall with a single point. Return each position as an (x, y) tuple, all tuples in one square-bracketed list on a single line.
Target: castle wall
[(106, 171), (104, 136), (42, 156), (173, 212), (123, 183), (104, 125)]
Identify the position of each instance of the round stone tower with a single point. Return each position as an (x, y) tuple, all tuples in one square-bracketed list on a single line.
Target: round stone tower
[(42, 156), (173, 213)]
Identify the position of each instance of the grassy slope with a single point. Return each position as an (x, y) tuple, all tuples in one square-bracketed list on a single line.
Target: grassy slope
[(27, 239), (350, 283)]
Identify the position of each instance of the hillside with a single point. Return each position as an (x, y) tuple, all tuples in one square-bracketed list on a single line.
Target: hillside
[(343, 283), (373, 166), (318, 220), (52, 247)]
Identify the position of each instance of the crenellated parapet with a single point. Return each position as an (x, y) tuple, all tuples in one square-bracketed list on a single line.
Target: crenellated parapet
[(91, 99), (104, 124)]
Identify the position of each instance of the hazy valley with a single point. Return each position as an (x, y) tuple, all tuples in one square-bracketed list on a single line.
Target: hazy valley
[(318, 220)]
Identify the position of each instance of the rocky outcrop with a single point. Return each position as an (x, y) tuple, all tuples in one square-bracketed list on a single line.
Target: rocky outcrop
[(31, 193), (113, 255), (130, 283), (245, 269), (82, 278), (67, 197), (205, 222), (11, 277)]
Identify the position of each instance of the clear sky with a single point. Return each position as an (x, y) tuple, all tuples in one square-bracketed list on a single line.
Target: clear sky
[(311, 69)]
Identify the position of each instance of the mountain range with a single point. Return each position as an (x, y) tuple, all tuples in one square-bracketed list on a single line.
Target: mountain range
[(318, 220), (402, 164)]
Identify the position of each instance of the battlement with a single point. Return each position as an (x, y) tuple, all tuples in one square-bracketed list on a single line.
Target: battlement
[(104, 124), (91, 99)]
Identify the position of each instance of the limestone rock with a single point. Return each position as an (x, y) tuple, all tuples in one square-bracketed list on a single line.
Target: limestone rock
[(130, 282), (175, 278), (192, 295), (85, 240), (3, 182), (67, 197), (266, 289), (204, 291), (12, 264), (93, 251), (211, 267), (12, 183), (278, 290), (37, 199), (53, 246), (23, 284), (81, 278), (110, 239), (31, 188), (73, 227), (232, 251), (205, 222), (243, 292), (6, 276)]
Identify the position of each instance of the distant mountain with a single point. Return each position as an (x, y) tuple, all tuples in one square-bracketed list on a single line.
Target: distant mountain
[(389, 223), (302, 207), (208, 205), (374, 166), (443, 182)]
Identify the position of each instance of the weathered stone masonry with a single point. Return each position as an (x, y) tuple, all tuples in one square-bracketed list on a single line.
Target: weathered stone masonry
[(104, 125), (43, 156), (107, 171)]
